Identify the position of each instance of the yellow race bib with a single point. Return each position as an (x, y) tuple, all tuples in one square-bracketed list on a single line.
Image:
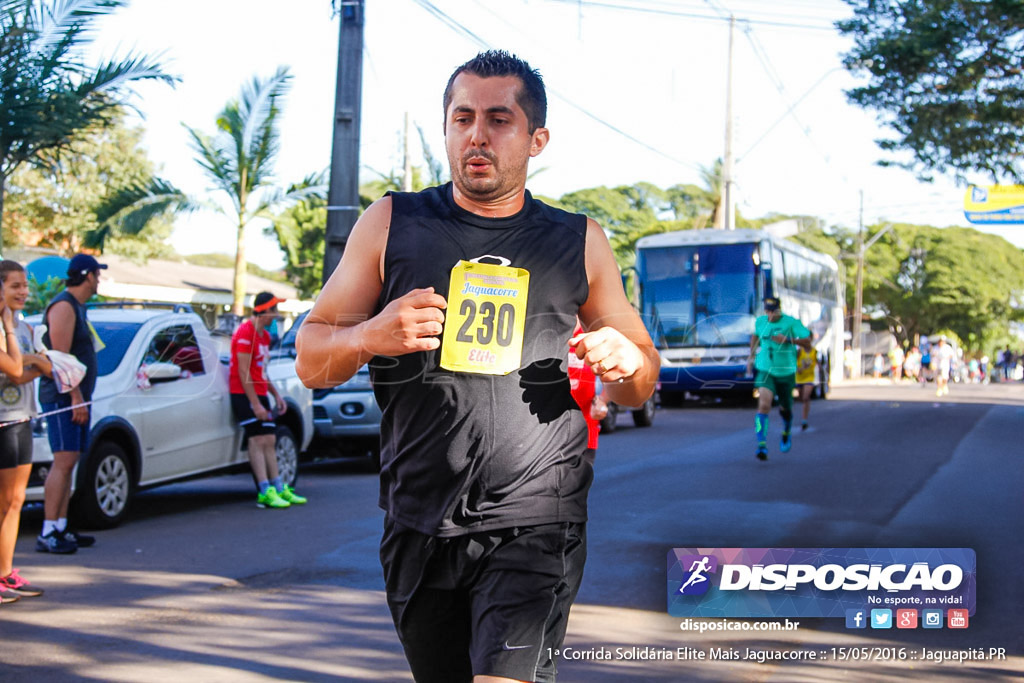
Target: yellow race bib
[(483, 330)]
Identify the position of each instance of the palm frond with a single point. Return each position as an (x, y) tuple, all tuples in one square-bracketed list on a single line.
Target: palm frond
[(313, 186), (130, 209), (62, 22), (112, 74), (258, 110), (215, 161)]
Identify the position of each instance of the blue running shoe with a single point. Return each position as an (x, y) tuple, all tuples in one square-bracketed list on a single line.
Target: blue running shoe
[(786, 443)]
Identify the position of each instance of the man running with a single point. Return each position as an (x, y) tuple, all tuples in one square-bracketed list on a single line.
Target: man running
[(773, 344), (463, 298)]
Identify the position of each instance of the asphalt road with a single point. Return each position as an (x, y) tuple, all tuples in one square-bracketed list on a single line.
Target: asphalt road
[(199, 584)]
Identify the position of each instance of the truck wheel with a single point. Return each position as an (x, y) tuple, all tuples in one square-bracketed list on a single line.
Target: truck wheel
[(106, 488), (644, 417), (287, 449)]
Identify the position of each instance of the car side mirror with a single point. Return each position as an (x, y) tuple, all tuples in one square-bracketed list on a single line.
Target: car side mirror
[(162, 372)]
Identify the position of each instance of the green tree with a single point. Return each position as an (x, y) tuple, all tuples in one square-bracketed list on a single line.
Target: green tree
[(300, 231), (947, 77), (49, 95), (926, 280), (62, 204), (239, 160)]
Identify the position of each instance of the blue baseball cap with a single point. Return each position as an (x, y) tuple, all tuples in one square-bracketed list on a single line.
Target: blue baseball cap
[(83, 264)]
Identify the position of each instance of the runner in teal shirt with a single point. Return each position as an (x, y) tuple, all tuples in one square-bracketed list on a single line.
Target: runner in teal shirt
[(775, 341)]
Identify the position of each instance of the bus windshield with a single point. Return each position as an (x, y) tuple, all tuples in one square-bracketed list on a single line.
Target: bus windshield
[(698, 296)]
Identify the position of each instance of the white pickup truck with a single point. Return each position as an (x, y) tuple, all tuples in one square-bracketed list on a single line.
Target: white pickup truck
[(162, 413)]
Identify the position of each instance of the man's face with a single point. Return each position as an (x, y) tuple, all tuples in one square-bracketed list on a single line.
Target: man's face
[(93, 279), (487, 137), (774, 314)]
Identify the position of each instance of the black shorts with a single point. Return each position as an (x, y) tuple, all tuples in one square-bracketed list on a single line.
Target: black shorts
[(491, 603), (15, 445), (247, 419)]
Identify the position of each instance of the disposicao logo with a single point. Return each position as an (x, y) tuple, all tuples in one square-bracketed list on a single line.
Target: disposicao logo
[(818, 582), (696, 581)]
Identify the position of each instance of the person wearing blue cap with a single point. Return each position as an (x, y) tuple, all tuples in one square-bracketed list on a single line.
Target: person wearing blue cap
[(774, 343), (68, 330)]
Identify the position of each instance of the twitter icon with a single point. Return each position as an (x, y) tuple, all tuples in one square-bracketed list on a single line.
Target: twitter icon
[(881, 618)]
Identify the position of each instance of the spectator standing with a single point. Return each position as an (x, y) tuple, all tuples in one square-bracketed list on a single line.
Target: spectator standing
[(17, 408), (69, 415), (879, 366), (896, 363), (912, 364), (249, 386), (942, 358)]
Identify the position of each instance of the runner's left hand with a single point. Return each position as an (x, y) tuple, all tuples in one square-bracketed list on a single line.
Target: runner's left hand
[(608, 352)]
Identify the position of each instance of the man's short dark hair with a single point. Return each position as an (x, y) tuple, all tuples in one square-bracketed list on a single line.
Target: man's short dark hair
[(531, 96)]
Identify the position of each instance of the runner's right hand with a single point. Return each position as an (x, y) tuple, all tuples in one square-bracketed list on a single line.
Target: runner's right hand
[(409, 324)]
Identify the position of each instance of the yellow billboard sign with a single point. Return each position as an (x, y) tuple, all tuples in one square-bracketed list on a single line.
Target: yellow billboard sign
[(994, 204)]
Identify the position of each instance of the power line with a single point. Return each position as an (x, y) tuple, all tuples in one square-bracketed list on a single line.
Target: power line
[(692, 15), (459, 28)]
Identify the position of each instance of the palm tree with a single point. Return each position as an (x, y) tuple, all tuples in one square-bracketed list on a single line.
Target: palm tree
[(239, 160), (48, 94)]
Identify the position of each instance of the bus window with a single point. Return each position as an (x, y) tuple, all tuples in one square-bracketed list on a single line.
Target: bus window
[(667, 294), (726, 300)]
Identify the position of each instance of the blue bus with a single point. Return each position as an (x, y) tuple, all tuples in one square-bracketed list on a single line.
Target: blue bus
[(699, 291)]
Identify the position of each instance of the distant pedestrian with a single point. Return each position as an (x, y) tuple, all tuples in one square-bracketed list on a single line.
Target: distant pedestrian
[(69, 415), (912, 364), (896, 363), (17, 407), (879, 366), (942, 358), (249, 386), (806, 376), (773, 351)]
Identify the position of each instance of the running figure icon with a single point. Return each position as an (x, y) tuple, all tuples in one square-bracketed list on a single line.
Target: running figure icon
[(697, 570)]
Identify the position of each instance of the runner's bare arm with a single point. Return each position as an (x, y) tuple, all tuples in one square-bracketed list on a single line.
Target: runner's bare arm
[(341, 333), (615, 343)]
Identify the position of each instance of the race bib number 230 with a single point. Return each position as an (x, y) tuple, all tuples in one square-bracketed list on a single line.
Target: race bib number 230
[(483, 330)]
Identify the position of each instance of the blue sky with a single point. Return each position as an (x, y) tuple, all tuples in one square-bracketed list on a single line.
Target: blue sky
[(636, 93)]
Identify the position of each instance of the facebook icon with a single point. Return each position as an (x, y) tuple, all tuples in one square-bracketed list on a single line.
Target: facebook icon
[(856, 618)]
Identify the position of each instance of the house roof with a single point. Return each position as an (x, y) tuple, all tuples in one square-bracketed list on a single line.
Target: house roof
[(176, 281)]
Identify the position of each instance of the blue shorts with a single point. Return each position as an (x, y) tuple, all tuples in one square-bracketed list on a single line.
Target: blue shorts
[(64, 434)]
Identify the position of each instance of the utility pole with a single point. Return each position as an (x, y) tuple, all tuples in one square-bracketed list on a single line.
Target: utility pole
[(343, 192), (858, 297), (728, 208), (406, 159)]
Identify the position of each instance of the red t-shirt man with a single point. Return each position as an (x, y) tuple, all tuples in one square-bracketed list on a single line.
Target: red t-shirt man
[(256, 343)]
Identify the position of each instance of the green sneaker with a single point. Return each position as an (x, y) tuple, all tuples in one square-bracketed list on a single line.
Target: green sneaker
[(271, 499), (289, 495)]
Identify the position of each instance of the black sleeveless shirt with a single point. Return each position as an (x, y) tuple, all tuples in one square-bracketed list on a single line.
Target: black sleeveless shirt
[(82, 348), (464, 452)]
